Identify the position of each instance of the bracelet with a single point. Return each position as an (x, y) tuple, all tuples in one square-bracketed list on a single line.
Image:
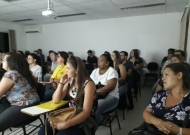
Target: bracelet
[(61, 83)]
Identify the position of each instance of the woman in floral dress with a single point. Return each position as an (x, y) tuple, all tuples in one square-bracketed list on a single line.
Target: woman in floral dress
[(167, 109)]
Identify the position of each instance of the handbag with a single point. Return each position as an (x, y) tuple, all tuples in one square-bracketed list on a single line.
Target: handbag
[(100, 95), (145, 129), (61, 115)]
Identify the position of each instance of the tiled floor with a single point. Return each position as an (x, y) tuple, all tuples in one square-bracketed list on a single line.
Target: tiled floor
[(133, 118)]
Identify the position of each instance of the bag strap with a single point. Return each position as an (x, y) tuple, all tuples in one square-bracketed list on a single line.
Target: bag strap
[(88, 80), (53, 129), (186, 102)]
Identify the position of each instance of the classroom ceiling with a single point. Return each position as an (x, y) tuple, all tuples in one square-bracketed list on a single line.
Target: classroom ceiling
[(78, 10)]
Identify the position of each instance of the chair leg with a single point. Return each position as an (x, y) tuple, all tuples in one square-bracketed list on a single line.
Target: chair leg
[(24, 130), (139, 87), (123, 114), (110, 124), (145, 79), (117, 119), (41, 121), (44, 117)]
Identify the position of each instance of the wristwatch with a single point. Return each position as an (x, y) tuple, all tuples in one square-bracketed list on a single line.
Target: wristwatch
[(180, 131)]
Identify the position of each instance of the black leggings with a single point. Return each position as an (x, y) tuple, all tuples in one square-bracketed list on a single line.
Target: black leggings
[(11, 115)]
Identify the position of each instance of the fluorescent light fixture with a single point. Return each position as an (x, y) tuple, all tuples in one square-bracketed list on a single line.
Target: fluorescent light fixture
[(47, 12)]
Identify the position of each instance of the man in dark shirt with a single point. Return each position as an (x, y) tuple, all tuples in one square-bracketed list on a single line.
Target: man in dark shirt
[(91, 59), (128, 64), (129, 79)]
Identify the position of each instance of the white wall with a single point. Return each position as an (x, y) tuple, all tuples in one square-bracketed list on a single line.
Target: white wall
[(21, 42), (188, 45), (188, 40), (152, 34)]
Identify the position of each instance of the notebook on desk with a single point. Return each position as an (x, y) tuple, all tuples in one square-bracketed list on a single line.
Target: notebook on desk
[(51, 106), (43, 108)]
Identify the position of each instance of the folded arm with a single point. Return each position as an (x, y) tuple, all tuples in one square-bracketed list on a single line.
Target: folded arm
[(5, 85)]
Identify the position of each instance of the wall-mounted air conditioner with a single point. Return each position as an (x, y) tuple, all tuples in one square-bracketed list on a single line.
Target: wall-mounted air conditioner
[(33, 29)]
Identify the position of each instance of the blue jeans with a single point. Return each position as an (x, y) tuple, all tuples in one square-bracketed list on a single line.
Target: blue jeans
[(49, 94), (75, 130), (123, 89), (104, 105)]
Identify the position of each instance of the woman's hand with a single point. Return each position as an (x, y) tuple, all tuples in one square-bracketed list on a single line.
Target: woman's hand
[(54, 85), (64, 79), (171, 127), (157, 122), (61, 126)]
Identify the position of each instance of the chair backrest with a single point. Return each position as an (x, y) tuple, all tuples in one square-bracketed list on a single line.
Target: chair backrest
[(2, 72), (44, 69), (152, 66), (89, 66), (41, 91)]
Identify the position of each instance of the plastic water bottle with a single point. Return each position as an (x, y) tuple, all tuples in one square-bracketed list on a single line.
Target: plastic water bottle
[(39, 77)]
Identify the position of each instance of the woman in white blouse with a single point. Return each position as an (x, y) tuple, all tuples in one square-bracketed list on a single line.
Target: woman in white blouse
[(107, 76)]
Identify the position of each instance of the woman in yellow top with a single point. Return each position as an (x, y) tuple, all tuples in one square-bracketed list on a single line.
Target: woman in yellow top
[(57, 74)]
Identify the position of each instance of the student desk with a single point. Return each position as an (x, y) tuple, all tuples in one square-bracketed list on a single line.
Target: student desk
[(43, 108)]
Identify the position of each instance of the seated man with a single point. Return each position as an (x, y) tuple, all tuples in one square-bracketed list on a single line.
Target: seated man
[(54, 64), (129, 79)]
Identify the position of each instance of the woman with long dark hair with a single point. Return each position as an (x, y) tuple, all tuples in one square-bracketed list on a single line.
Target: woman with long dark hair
[(19, 86), (34, 63), (121, 70), (77, 86), (138, 64)]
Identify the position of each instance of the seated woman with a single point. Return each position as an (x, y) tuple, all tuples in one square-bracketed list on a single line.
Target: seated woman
[(80, 93), (107, 76), (176, 58), (168, 108), (19, 86), (34, 63), (138, 64), (121, 70), (57, 74)]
